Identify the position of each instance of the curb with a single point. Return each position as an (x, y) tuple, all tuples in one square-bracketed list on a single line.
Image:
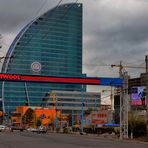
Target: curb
[(103, 137)]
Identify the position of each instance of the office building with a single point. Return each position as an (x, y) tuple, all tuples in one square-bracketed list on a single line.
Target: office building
[(50, 45)]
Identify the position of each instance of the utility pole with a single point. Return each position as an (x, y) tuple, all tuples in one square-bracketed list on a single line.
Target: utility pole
[(125, 105), (0, 41), (112, 98), (121, 114), (123, 102), (124, 98), (146, 60)]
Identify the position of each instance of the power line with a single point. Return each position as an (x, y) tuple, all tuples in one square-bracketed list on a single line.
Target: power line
[(4, 58), (36, 14), (38, 11), (54, 24), (57, 22), (87, 64), (113, 65)]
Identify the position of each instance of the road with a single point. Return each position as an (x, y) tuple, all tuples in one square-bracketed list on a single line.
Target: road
[(52, 140)]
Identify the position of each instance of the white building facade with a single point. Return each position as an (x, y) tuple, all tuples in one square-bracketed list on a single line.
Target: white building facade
[(68, 101)]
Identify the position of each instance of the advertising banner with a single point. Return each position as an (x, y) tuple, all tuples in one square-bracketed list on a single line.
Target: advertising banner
[(138, 96), (56, 79), (101, 117)]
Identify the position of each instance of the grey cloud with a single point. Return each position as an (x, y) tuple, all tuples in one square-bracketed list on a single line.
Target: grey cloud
[(114, 30), (116, 34), (15, 13)]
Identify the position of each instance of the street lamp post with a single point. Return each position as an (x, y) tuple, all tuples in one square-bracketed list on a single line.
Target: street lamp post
[(61, 119), (56, 116), (82, 116), (72, 119), (54, 97), (95, 107)]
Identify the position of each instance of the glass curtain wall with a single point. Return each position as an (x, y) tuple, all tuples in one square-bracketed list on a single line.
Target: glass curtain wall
[(50, 45)]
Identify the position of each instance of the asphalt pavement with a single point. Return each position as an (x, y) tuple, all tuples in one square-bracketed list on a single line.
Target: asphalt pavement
[(52, 140)]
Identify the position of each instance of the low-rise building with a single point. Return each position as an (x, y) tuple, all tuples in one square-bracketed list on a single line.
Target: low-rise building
[(45, 115), (72, 101)]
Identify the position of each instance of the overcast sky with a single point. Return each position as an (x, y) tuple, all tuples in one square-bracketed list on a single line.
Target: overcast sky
[(114, 30)]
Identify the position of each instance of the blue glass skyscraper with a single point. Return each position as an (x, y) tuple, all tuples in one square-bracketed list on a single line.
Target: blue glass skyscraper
[(49, 45)]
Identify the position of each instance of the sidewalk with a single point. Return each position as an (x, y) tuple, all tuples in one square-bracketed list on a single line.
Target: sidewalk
[(108, 136)]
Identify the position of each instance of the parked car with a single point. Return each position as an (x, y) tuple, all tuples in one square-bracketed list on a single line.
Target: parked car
[(30, 129), (17, 128), (42, 129), (2, 128)]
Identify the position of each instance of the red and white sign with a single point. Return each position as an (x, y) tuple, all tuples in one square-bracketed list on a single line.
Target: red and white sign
[(49, 79), (101, 117), (56, 79)]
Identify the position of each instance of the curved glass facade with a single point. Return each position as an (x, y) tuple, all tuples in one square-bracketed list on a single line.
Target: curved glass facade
[(54, 42)]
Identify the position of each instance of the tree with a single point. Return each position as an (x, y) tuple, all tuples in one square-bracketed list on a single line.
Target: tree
[(88, 111), (137, 125), (69, 119), (28, 116), (38, 123)]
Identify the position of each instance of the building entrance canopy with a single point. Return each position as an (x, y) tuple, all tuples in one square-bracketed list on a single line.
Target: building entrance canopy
[(55, 79)]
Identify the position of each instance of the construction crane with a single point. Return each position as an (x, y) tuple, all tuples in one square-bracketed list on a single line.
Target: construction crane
[(127, 66)]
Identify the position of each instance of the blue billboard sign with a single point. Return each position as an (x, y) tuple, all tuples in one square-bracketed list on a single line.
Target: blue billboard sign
[(111, 81)]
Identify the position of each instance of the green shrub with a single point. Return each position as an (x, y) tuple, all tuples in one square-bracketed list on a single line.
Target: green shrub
[(138, 128), (102, 130), (88, 129), (136, 125), (57, 130), (117, 130), (38, 123), (67, 130)]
